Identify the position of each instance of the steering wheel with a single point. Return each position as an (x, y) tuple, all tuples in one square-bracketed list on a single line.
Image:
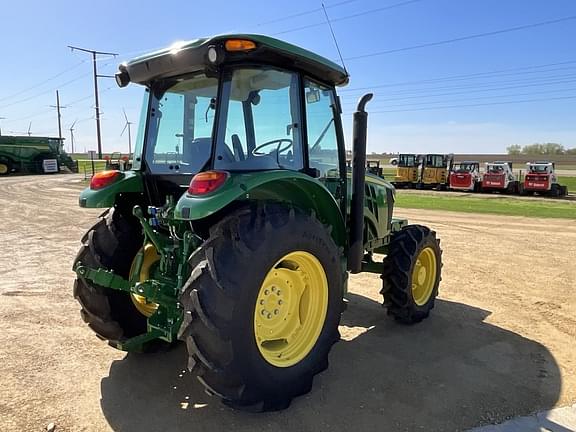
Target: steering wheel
[(278, 143)]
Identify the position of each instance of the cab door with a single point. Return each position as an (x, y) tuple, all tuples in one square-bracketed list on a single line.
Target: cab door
[(325, 153)]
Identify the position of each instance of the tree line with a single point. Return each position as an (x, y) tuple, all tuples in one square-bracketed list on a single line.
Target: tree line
[(540, 149)]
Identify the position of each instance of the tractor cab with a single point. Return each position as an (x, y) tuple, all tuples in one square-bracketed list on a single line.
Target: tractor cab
[(540, 168), (235, 107), (466, 176), (541, 178), (435, 169), (499, 176), (406, 170), (373, 167)]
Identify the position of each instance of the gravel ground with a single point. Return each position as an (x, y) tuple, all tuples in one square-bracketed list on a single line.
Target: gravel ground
[(501, 341)]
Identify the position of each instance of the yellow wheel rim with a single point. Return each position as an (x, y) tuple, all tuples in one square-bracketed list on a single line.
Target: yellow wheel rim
[(3, 168), (151, 257), (424, 276), (291, 309)]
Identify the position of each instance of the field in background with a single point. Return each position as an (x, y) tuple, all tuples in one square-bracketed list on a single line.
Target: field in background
[(486, 204), (85, 166), (565, 162), (567, 180)]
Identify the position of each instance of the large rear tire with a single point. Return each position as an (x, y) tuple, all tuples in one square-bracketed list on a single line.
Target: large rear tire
[(412, 274), (111, 243), (244, 343)]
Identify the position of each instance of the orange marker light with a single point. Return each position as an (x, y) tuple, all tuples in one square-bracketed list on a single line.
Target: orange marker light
[(239, 45), (104, 178), (206, 182)]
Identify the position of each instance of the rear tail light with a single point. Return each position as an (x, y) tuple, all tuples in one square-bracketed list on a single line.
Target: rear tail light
[(206, 182), (104, 178)]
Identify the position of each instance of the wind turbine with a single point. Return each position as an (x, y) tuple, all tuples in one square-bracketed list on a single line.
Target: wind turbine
[(29, 127), (72, 135), (127, 126)]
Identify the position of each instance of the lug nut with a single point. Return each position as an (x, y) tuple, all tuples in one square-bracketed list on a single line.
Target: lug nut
[(266, 292), (262, 302), (280, 302), (275, 311), (278, 292), (269, 316), (273, 289), (264, 312)]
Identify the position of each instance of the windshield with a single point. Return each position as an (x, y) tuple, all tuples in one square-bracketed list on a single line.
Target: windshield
[(180, 126), (539, 169), (435, 161), (259, 121), (407, 160), (465, 167), (495, 169)]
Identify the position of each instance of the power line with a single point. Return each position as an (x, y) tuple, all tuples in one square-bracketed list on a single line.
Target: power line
[(463, 38), (482, 90), (413, 104), (51, 89), (474, 105), (347, 17), (303, 13), (43, 82), (74, 102), (461, 76), (498, 80)]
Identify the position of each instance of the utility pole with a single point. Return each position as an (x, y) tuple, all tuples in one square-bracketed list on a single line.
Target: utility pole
[(96, 76), (58, 107), (2, 118)]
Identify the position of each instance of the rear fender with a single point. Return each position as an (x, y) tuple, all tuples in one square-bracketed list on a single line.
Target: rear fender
[(292, 188), (129, 183)]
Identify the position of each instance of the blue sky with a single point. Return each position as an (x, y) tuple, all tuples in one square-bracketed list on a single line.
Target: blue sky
[(522, 65)]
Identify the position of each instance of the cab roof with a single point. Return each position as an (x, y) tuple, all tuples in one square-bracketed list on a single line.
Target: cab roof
[(191, 56)]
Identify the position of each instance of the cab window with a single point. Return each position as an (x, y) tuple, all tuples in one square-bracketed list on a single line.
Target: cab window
[(321, 130), (260, 122)]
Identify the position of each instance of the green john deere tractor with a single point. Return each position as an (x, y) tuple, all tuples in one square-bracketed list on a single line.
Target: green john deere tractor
[(239, 222)]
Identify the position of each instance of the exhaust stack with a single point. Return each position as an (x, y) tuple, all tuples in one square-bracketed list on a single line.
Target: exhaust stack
[(356, 233)]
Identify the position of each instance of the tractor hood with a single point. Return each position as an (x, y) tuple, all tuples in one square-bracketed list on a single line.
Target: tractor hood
[(208, 54)]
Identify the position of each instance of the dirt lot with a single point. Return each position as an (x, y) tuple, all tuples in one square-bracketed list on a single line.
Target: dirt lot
[(501, 341)]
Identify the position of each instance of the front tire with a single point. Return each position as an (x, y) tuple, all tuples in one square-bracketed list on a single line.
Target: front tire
[(412, 274), (251, 262)]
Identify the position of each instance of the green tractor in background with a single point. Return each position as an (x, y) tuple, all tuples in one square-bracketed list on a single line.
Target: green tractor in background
[(238, 225)]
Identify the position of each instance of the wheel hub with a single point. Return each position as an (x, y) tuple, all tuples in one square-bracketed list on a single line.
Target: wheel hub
[(421, 275), (141, 303), (290, 309), (424, 276)]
